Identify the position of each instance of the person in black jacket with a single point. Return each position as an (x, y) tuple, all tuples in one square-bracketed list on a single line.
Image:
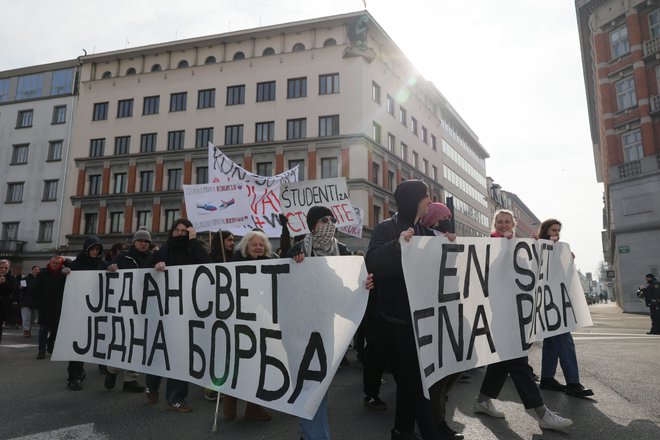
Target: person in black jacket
[(49, 291), (7, 291), (181, 248), (137, 256), (394, 322), (27, 300), (90, 258), (650, 292)]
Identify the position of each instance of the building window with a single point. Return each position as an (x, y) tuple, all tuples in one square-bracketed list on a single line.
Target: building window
[(203, 136), (24, 119), (330, 42), (174, 179), (425, 167), (296, 88), (210, 60), (202, 174), (178, 101), (96, 147), (268, 51), (300, 163), (329, 84), (50, 191), (329, 125), (45, 231), (170, 216), (100, 112), (106, 75), (375, 128), (151, 104), (619, 42), (54, 151), (146, 181), (654, 24), (59, 114), (206, 98), (298, 47), (329, 167), (4, 90), (265, 168), (264, 131), (130, 71), (425, 135), (375, 92), (375, 172), (391, 142), (182, 64), (91, 220), (434, 143), (125, 108), (403, 116), (175, 139), (415, 160), (148, 142), (116, 222), (120, 183), (625, 93), (14, 192), (434, 173), (239, 56), (390, 105), (19, 154), (296, 128), (233, 134), (377, 215), (632, 146), (10, 231), (122, 145), (236, 95), (266, 91), (156, 68), (62, 82), (144, 219), (94, 184), (404, 152), (29, 86), (413, 126), (390, 180)]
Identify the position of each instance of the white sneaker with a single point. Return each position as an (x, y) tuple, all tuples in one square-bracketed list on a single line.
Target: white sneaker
[(487, 407), (553, 421)]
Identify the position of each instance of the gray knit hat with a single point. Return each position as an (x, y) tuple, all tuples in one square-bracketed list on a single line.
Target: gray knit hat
[(142, 234)]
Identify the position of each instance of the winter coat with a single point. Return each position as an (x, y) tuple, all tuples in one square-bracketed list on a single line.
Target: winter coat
[(49, 292), (26, 295), (7, 293), (133, 259), (176, 252), (84, 262)]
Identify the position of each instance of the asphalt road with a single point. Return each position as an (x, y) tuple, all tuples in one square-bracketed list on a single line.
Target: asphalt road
[(617, 360)]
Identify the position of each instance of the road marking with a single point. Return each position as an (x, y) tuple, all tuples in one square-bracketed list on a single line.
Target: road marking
[(72, 432), (611, 338), (20, 345), (613, 334)]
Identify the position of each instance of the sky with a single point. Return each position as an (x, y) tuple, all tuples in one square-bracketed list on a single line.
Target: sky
[(511, 68)]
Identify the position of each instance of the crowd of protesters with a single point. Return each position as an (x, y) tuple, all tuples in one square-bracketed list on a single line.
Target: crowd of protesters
[(384, 341)]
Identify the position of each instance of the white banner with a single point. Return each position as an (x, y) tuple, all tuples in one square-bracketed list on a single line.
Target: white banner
[(271, 332), (262, 191), (355, 230), (478, 301), (298, 197), (215, 206)]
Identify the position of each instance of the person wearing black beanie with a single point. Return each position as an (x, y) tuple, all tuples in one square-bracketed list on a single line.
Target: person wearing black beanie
[(392, 329)]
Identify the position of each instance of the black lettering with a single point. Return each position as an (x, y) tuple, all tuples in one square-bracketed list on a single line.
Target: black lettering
[(195, 349), (159, 344), (115, 344), (220, 380), (538, 303), (201, 270), (149, 289), (240, 292), (549, 304), (480, 315), (424, 339), (92, 308), (223, 289), (98, 336), (274, 271), (483, 276), (83, 350), (566, 304), (266, 360), (140, 342), (444, 322), (447, 272), (123, 300), (108, 291), (314, 346), (522, 319), (173, 293), (521, 245), (241, 329)]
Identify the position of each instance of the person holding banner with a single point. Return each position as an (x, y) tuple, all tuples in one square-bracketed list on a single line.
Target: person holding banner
[(559, 348), (253, 246), (7, 288), (181, 248), (49, 291), (519, 369), (222, 247), (90, 258), (320, 242), (394, 317)]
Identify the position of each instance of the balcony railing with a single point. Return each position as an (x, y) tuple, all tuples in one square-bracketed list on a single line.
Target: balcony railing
[(10, 248), (651, 47), (632, 168)]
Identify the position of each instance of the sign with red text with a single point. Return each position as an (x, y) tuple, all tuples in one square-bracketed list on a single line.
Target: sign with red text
[(252, 330), (354, 230), (214, 206), (477, 301), (297, 197), (262, 192)]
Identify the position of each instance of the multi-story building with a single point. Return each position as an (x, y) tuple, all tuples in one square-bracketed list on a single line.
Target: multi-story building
[(333, 95), (527, 223), (621, 58), (36, 108)]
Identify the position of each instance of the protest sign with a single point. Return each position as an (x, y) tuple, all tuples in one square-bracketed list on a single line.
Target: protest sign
[(262, 191), (298, 197), (215, 206), (478, 301), (271, 332), (355, 230)]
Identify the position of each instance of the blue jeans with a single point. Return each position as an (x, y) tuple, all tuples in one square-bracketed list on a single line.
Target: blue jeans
[(317, 428), (562, 348)]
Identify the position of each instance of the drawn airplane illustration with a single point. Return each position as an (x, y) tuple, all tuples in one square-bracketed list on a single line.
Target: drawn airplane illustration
[(226, 204), (207, 207)]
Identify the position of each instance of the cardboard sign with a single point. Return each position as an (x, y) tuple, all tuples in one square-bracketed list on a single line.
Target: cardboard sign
[(215, 206), (477, 301)]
